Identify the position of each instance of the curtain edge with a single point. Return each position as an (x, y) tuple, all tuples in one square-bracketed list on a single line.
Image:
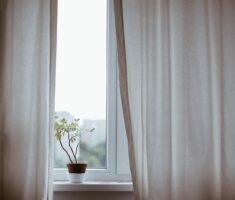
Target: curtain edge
[(122, 63), (53, 45)]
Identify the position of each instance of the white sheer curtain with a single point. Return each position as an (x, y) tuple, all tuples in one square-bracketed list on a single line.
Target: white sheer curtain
[(178, 81), (27, 49)]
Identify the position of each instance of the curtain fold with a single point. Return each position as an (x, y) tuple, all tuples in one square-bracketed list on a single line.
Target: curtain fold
[(2, 4), (28, 38), (180, 77), (123, 86)]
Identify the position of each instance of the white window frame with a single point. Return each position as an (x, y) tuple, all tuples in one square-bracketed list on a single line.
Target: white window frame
[(117, 157)]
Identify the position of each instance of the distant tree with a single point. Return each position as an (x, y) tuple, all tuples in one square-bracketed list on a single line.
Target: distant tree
[(95, 156)]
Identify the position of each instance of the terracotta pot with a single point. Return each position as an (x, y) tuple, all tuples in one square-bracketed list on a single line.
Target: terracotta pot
[(78, 168)]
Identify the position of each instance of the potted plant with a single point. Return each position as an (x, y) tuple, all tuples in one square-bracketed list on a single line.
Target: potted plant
[(72, 132)]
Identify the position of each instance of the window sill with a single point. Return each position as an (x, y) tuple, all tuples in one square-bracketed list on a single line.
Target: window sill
[(64, 186)]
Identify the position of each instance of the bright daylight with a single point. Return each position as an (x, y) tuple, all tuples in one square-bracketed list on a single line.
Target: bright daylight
[(81, 76)]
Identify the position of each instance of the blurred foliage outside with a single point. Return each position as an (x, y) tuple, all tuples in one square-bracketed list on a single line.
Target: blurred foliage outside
[(95, 156)]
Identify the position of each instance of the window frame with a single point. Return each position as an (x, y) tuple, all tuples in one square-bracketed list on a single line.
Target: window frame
[(116, 145)]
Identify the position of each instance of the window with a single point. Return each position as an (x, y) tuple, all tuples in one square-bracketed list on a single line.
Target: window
[(87, 88)]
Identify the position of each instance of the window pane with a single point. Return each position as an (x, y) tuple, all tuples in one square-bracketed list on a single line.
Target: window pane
[(81, 76)]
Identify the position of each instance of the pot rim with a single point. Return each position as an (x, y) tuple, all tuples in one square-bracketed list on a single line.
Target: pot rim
[(77, 163)]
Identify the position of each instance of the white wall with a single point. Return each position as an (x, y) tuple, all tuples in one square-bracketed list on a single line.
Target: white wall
[(93, 195)]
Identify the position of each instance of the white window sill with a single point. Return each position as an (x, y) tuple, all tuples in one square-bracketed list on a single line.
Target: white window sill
[(64, 186)]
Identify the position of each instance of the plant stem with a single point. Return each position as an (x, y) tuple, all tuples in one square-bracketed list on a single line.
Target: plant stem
[(69, 139), (65, 151), (77, 148)]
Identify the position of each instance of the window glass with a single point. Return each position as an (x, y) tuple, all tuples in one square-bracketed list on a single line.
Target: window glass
[(81, 76)]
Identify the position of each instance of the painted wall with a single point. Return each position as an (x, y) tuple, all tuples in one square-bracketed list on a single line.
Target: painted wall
[(93, 195)]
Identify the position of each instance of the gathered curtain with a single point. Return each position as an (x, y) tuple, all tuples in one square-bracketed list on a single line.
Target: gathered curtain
[(27, 68), (177, 80)]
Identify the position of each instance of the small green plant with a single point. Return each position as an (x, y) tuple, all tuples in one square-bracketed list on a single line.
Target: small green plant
[(73, 132)]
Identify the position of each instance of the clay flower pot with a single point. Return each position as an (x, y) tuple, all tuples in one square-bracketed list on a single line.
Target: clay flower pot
[(76, 172)]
